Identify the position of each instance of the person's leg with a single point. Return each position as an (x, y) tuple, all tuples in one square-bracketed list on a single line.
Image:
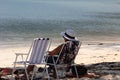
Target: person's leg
[(29, 69), (51, 68)]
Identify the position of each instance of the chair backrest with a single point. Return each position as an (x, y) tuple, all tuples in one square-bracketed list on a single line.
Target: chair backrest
[(39, 50), (68, 52)]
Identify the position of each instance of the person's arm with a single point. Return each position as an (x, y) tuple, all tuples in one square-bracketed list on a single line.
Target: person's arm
[(56, 50)]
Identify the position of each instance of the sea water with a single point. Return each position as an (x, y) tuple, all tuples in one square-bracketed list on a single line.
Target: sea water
[(23, 20)]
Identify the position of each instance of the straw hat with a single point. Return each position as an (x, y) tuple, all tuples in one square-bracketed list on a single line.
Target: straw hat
[(69, 34)]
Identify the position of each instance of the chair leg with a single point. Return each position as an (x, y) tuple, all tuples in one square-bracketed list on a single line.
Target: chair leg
[(55, 69), (26, 73), (56, 72), (14, 65), (46, 71), (33, 74), (76, 72)]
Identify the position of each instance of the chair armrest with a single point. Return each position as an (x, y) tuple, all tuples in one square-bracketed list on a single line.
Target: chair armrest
[(52, 55), (21, 53), (55, 55)]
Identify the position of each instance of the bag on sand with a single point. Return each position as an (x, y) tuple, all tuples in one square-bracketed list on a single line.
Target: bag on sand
[(81, 70)]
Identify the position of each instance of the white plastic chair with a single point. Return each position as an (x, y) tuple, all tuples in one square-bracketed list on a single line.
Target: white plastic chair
[(35, 56)]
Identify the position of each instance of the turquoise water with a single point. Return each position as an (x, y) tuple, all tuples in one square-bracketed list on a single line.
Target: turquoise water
[(25, 20)]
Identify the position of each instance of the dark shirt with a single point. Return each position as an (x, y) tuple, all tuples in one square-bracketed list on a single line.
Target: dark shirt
[(69, 52)]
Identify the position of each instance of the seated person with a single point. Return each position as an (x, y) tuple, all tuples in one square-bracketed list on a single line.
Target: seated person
[(68, 53)]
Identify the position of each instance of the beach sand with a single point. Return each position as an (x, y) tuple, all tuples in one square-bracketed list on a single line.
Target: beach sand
[(96, 55)]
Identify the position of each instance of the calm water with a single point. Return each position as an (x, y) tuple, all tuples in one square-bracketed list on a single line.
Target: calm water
[(23, 20)]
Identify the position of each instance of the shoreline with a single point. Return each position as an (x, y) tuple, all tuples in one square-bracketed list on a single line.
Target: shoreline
[(89, 53)]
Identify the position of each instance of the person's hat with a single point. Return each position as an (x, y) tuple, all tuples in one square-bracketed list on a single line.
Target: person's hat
[(69, 34)]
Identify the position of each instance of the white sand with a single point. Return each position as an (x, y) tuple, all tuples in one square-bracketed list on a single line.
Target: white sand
[(7, 55), (88, 54), (98, 53)]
